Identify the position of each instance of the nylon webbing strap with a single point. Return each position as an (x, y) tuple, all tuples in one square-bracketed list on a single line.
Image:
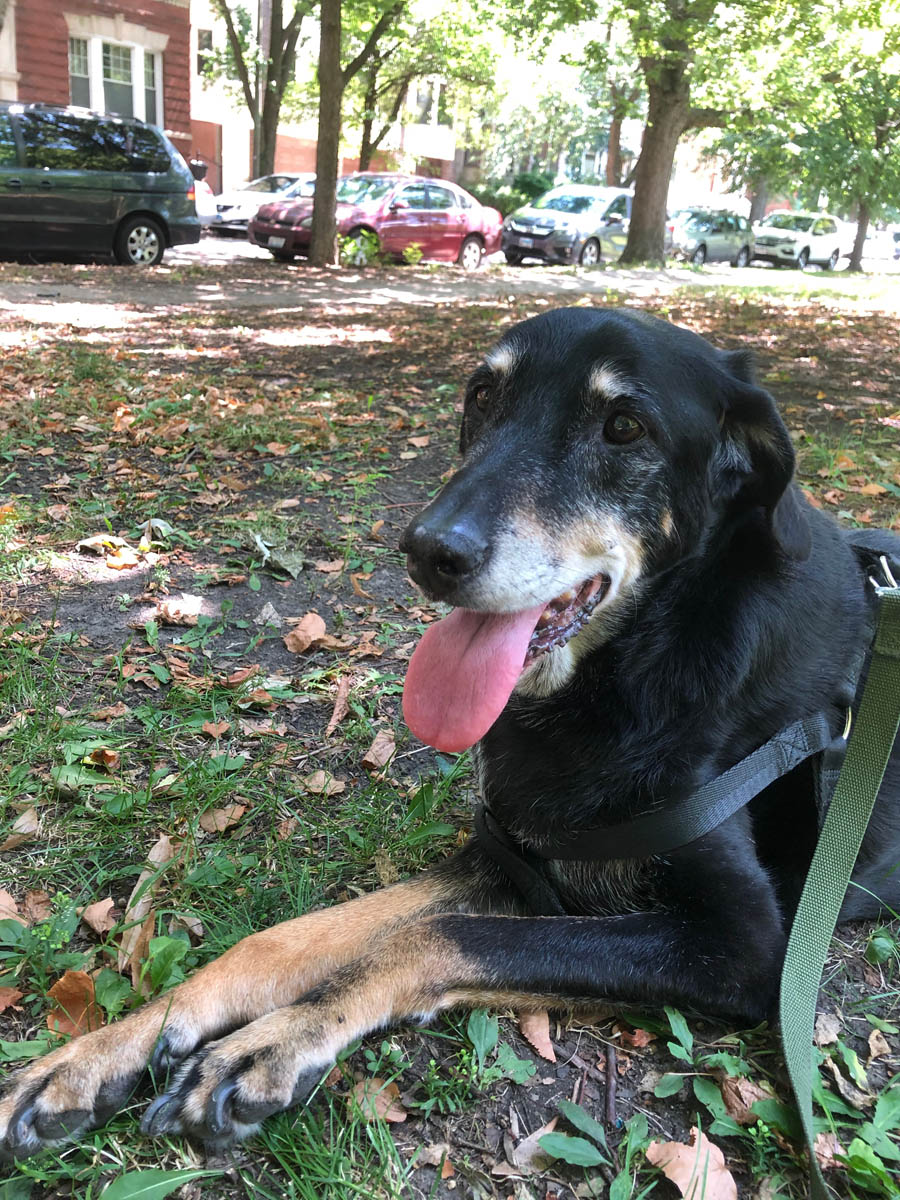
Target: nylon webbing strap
[(829, 874), (704, 809)]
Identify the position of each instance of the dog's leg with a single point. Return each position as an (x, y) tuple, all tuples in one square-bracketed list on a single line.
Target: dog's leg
[(222, 1091), (84, 1082)]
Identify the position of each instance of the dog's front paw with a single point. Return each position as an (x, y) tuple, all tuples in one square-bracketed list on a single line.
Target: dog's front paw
[(222, 1092)]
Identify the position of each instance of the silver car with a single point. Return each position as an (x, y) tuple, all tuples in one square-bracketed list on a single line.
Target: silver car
[(712, 235)]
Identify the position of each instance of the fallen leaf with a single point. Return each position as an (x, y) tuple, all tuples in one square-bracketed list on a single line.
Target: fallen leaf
[(697, 1170), (873, 489), (860, 1100), (9, 910), (123, 559), (878, 1045), (637, 1038), (103, 757), (110, 712), (329, 566), (236, 678), (76, 1010), (825, 1147), (321, 783), (740, 1095), (215, 730), (341, 704), (138, 908), (380, 752), (419, 442), (24, 827), (528, 1156), (185, 610), (307, 632), (285, 829), (376, 1099), (36, 907), (359, 589), (215, 820), (827, 1029), (535, 1028), (99, 915), (9, 998)]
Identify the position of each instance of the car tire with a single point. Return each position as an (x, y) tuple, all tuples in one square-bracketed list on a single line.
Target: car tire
[(590, 253), (513, 257), (698, 258), (471, 252), (803, 259), (140, 242), (743, 257), (282, 255), (832, 263)]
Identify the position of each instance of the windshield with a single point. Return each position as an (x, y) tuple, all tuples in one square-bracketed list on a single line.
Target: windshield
[(303, 187), (570, 202), (793, 222), (268, 183), (356, 190)]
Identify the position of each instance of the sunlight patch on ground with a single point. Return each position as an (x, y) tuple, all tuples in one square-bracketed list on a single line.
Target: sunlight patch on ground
[(309, 335)]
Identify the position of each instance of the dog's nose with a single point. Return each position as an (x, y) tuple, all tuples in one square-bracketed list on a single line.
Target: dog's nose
[(441, 557)]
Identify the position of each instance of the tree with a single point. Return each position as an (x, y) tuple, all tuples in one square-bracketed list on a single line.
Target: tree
[(263, 63), (333, 81)]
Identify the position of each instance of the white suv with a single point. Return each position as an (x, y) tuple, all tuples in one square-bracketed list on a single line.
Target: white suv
[(799, 238)]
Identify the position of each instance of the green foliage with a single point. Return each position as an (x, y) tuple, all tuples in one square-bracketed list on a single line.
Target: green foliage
[(532, 183)]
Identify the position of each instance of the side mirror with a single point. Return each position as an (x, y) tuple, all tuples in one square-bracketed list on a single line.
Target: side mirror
[(613, 219), (398, 206)]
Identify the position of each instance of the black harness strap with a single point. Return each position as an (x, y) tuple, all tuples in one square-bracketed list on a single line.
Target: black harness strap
[(514, 861)]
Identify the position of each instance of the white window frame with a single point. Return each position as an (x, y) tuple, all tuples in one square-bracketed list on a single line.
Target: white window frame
[(116, 31)]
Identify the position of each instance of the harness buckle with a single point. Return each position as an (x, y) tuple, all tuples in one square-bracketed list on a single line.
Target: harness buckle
[(888, 575), (848, 724)]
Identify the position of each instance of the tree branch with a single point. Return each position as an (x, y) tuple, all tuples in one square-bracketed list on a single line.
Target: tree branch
[(237, 50), (368, 49)]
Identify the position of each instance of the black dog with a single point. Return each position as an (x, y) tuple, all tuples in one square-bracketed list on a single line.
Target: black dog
[(642, 599)]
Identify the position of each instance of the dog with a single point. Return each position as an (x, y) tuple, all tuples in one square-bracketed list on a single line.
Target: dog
[(641, 598)]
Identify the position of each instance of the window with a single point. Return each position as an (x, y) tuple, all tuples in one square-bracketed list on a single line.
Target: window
[(618, 208), (79, 73), (8, 156), (150, 88), (442, 198), (118, 90), (204, 50), (413, 196)]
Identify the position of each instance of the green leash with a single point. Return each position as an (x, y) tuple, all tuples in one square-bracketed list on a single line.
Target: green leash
[(842, 833)]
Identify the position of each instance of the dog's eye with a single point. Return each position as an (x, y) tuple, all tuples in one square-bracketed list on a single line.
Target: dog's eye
[(481, 397), (622, 428)]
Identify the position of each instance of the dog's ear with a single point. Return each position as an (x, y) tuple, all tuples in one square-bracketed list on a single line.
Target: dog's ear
[(755, 461)]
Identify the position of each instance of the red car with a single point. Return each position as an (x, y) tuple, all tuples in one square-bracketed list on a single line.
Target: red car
[(388, 212)]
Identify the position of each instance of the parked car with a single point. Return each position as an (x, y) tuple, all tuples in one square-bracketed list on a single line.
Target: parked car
[(711, 235), (205, 202), (234, 209), (82, 182), (570, 223), (800, 238), (387, 213)]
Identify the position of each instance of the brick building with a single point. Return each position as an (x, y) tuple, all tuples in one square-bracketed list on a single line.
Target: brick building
[(129, 57)]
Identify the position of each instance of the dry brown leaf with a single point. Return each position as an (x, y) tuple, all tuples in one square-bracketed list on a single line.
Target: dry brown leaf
[(9, 910), (123, 559), (535, 1028), (320, 783), (380, 753), (330, 566), (740, 1095), (215, 729), (24, 827), (878, 1045), (307, 632), (375, 531), (697, 1170), (139, 905), (827, 1029), (111, 711), (358, 588), (36, 907), (76, 1010), (873, 489), (285, 829), (236, 678), (215, 820), (183, 610), (99, 915), (419, 442), (528, 1156), (9, 997), (825, 1147), (140, 951), (433, 1155), (636, 1038), (376, 1099), (859, 1100), (341, 704), (104, 758)]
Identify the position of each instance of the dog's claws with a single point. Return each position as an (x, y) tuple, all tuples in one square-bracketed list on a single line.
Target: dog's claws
[(161, 1116), (163, 1057), (22, 1138), (217, 1122)]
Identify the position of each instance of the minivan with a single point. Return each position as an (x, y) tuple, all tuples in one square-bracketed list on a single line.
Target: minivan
[(572, 223), (86, 183)]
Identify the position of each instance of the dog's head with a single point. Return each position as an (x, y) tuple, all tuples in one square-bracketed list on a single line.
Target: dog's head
[(600, 448)]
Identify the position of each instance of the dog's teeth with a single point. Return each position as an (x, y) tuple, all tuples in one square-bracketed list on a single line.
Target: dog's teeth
[(544, 618), (565, 598)]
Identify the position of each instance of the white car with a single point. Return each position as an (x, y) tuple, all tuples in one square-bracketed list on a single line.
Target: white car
[(800, 238), (234, 209)]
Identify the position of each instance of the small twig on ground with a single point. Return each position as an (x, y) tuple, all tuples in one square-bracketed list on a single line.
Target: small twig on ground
[(611, 1079)]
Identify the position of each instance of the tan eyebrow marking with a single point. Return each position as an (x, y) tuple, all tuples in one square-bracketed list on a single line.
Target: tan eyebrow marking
[(606, 381), (501, 359)]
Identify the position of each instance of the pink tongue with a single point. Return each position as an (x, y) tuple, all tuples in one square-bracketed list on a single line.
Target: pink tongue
[(462, 673)]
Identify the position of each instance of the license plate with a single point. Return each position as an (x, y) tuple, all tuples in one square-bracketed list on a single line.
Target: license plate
[(526, 242), (276, 242)]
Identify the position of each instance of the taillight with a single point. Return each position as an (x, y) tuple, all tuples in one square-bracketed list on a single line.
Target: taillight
[(192, 193)]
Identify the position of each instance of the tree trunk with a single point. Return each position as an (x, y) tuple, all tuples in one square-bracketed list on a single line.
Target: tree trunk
[(323, 245), (758, 200), (668, 116), (862, 228), (614, 154), (370, 102)]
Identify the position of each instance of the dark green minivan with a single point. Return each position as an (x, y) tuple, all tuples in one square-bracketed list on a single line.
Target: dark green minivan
[(85, 183)]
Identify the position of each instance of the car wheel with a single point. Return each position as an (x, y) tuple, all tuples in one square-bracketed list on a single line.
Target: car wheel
[(471, 253), (140, 242), (282, 255), (698, 258), (803, 259), (590, 253), (743, 258), (832, 261), (513, 258)]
